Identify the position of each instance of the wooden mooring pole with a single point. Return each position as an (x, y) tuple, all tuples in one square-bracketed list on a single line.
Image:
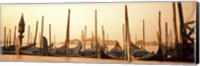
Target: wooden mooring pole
[(36, 31), (143, 47), (4, 37), (28, 40), (96, 39), (127, 34), (67, 40)]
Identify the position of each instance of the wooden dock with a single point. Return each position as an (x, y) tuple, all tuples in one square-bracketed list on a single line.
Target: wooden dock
[(28, 58)]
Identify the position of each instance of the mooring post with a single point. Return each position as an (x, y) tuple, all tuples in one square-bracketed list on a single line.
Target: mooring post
[(124, 42), (36, 31), (166, 39), (85, 37), (67, 40), (14, 37), (103, 36), (10, 37), (171, 38), (175, 31), (92, 39), (143, 35), (28, 34), (160, 36), (4, 37), (96, 40), (182, 30), (82, 40), (41, 35), (127, 34), (50, 35)]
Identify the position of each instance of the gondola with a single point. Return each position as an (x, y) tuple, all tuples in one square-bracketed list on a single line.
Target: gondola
[(117, 52), (72, 52)]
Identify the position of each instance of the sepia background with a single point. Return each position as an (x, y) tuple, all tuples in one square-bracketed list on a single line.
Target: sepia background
[(111, 15)]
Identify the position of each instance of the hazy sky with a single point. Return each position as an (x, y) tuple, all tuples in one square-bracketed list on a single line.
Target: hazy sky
[(111, 15)]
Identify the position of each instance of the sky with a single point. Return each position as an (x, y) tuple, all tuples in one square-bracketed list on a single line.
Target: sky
[(111, 15)]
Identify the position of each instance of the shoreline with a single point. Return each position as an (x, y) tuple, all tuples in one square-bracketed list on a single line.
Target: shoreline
[(51, 59)]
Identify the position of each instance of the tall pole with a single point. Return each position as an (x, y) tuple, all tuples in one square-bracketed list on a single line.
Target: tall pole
[(50, 34), (182, 28), (82, 39), (10, 37), (166, 40), (36, 31), (4, 37), (41, 35), (171, 38), (54, 39), (124, 42), (68, 32), (127, 34), (96, 33), (103, 36), (7, 42), (175, 24), (175, 31), (92, 40), (85, 37), (31, 38), (160, 36), (143, 35), (28, 34), (14, 37)]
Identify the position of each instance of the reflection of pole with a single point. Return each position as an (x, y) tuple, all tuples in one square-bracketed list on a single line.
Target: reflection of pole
[(143, 35), (127, 34), (4, 37), (36, 30)]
